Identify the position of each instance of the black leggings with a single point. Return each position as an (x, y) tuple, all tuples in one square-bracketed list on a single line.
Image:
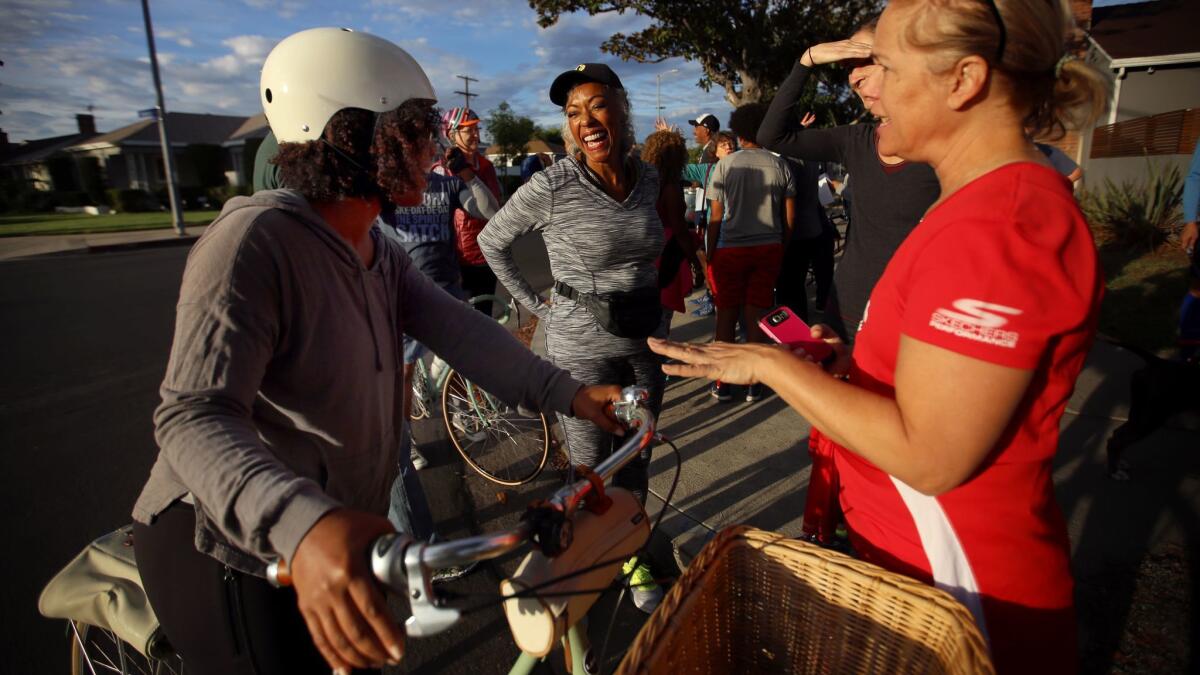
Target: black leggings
[(801, 254), (221, 621)]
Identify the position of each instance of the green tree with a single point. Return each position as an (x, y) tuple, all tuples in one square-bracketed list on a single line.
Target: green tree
[(509, 131), (549, 134), (746, 47)]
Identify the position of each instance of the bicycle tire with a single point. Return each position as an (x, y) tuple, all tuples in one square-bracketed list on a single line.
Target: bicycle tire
[(500, 443), (106, 653), (422, 398)]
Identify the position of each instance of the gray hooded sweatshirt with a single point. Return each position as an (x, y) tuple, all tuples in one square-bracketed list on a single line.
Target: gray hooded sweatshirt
[(282, 397)]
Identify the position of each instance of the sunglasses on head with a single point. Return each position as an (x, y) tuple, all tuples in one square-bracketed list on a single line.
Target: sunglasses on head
[(1003, 33)]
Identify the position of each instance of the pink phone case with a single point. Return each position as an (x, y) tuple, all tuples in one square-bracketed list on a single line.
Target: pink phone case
[(784, 327)]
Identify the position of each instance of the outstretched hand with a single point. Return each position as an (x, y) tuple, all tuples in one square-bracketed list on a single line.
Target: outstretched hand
[(831, 52), (594, 403), (807, 120), (661, 124), (346, 613), (725, 361)]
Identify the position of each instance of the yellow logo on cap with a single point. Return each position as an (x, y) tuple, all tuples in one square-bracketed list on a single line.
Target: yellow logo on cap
[(580, 67)]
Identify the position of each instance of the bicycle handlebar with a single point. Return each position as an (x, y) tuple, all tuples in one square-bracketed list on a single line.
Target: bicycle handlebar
[(397, 560)]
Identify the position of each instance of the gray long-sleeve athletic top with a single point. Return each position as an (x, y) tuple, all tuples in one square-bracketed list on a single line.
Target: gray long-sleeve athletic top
[(282, 397), (595, 244)]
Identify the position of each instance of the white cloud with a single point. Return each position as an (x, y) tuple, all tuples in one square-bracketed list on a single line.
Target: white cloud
[(284, 8), (251, 47)]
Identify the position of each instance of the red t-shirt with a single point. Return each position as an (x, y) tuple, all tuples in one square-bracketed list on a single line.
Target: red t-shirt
[(1004, 271)]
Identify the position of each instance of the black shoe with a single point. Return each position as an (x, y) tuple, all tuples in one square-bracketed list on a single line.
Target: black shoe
[(721, 392), (753, 393)]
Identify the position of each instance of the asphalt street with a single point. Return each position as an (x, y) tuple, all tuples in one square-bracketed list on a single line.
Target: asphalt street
[(85, 343)]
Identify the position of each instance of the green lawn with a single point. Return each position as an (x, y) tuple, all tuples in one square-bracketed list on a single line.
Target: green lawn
[(1144, 289), (73, 223)]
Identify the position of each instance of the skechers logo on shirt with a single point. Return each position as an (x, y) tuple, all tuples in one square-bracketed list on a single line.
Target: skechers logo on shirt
[(977, 320)]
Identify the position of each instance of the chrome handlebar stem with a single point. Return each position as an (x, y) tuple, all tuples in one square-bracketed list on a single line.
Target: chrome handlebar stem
[(405, 566)]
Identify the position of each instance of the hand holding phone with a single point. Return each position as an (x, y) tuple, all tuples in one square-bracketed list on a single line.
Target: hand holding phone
[(783, 326)]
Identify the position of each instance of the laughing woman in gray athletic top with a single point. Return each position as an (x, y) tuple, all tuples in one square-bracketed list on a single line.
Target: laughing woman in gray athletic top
[(596, 212)]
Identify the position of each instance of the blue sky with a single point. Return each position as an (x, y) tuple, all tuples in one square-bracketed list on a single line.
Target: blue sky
[(60, 56)]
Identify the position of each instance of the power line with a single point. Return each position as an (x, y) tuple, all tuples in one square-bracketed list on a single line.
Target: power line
[(466, 92)]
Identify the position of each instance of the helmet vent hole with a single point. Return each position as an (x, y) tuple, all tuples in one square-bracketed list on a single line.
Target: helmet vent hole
[(268, 95)]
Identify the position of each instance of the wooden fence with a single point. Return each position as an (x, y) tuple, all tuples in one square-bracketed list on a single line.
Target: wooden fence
[(1170, 133)]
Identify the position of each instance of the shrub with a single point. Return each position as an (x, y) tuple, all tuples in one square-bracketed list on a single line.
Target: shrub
[(73, 198), (217, 196), (132, 201), (1138, 214)]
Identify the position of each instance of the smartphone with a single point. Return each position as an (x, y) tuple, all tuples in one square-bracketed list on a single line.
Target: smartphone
[(783, 326)]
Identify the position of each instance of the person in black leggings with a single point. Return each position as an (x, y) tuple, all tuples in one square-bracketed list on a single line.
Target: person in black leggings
[(222, 620)]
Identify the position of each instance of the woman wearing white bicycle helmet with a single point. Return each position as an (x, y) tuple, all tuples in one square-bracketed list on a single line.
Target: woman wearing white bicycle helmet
[(279, 428)]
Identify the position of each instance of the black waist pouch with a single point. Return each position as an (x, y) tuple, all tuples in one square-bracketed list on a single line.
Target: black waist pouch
[(629, 314)]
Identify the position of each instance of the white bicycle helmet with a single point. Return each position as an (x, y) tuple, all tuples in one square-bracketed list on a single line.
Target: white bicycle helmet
[(311, 75)]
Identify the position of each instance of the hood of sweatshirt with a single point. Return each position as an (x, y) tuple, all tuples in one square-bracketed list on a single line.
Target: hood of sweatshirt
[(296, 205)]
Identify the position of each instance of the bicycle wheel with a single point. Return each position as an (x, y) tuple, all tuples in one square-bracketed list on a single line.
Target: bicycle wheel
[(422, 397), (503, 444), (98, 650)]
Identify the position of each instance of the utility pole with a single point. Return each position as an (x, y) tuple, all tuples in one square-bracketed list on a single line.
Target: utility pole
[(168, 156), (466, 92)]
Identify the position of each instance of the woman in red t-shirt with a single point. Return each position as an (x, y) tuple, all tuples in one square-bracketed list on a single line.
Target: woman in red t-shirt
[(971, 343)]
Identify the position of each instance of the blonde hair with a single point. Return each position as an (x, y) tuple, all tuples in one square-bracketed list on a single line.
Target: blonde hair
[(1054, 90)]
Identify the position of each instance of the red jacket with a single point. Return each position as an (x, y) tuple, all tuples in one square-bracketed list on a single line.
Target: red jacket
[(466, 227)]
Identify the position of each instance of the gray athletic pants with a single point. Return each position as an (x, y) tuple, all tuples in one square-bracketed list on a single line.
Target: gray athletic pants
[(582, 353)]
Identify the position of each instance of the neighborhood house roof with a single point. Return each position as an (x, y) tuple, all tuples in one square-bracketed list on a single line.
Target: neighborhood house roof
[(1148, 29), (35, 151), (184, 129), (252, 127), (533, 147)]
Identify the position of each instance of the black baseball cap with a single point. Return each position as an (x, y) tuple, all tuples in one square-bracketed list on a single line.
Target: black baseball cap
[(707, 120), (584, 72)]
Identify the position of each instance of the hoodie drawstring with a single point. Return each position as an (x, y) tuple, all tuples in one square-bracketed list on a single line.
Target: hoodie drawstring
[(362, 284)]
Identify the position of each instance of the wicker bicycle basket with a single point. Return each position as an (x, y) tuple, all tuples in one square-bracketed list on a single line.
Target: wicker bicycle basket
[(757, 602)]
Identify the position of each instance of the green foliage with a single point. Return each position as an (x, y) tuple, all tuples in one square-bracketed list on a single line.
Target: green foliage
[(510, 131), (549, 134), (208, 162), (59, 223), (747, 48), (1138, 214), (92, 181), (217, 196), (131, 201), (62, 173)]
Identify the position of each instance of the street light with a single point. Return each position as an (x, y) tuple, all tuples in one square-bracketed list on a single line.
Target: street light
[(658, 91)]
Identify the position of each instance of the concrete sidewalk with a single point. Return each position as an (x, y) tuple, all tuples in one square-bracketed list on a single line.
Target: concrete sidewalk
[(747, 463), (12, 248)]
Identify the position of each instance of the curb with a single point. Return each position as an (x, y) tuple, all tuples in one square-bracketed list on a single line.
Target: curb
[(186, 240)]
